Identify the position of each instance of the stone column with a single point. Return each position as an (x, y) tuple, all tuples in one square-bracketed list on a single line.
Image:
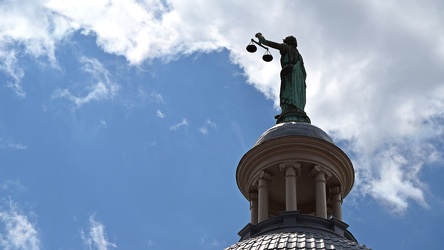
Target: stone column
[(262, 191), (291, 172), (336, 202), (253, 208), (321, 176)]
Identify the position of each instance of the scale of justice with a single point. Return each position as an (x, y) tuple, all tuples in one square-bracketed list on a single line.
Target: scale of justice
[(252, 48)]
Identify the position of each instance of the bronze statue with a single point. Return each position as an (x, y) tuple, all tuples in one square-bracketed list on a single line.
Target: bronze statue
[(292, 94)]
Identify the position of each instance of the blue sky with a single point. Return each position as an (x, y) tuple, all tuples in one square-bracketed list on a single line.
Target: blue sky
[(122, 122)]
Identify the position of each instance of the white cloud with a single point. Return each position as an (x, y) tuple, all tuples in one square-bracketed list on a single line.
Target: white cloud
[(207, 125), (96, 237), (395, 179), (374, 68), (9, 65), (156, 97), (135, 29), (28, 28), (101, 89), (16, 230), (183, 123), (160, 114)]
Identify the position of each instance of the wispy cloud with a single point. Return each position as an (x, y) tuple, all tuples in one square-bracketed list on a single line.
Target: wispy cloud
[(102, 124), (156, 97), (152, 96), (207, 125), (9, 65), (96, 237), (211, 243), (183, 123), (160, 114), (8, 144), (16, 230), (239, 135), (150, 243), (101, 89), (14, 185)]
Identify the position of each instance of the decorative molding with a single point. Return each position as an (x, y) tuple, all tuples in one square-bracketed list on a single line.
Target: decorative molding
[(320, 169)]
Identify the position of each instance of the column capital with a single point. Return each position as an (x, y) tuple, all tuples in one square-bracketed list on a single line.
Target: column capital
[(265, 176), (253, 195), (318, 169), (335, 189), (290, 168), (294, 164), (263, 179)]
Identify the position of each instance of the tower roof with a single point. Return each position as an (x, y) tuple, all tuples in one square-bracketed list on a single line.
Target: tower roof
[(293, 128), (307, 240)]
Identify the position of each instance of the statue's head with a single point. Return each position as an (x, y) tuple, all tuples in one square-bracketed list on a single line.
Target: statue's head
[(291, 40)]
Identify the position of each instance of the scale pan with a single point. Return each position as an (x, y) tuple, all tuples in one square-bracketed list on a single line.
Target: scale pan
[(267, 57), (251, 48)]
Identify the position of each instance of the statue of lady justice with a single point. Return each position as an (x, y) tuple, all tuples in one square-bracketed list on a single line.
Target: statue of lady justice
[(293, 75)]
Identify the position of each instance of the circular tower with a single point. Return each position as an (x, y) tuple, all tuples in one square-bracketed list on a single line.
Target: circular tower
[(295, 179)]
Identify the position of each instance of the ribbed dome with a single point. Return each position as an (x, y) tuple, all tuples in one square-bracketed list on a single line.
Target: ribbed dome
[(293, 128), (295, 231), (296, 241)]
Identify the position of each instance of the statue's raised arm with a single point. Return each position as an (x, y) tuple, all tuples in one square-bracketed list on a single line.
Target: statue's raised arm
[(292, 94)]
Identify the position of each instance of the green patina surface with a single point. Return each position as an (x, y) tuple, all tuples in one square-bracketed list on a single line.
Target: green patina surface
[(292, 90)]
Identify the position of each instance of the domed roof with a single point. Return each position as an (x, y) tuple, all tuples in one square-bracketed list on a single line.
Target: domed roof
[(297, 240), (293, 128), (293, 230)]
